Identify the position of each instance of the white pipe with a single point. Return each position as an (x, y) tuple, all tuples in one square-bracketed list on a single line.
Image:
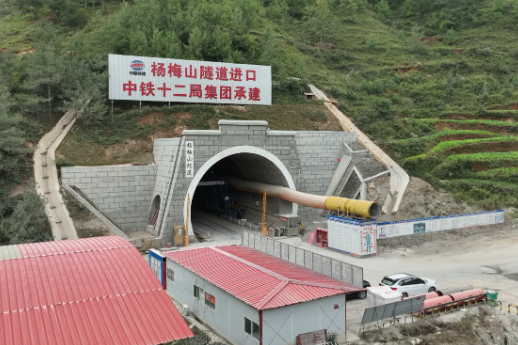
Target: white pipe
[(284, 193)]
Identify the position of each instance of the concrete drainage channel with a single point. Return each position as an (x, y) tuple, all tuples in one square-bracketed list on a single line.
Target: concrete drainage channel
[(47, 183), (399, 179)]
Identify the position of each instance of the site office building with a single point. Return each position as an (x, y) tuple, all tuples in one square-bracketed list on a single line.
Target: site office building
[(253, 298)]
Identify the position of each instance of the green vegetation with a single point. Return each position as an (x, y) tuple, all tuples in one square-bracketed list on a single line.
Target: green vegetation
[(22, 217), (126, 135), (465, 165), (487, 194), (500, 174), (486, 114), (477, 144), (399, 69), (489, 125), (405, 148)]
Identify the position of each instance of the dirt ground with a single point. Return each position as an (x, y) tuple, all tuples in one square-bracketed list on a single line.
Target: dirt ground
[(421, 200), (482, 325), (91, 227), (86, 223)]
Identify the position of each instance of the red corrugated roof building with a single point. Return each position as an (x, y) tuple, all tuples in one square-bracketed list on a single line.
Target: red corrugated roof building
[(266, 288), (88, 291)]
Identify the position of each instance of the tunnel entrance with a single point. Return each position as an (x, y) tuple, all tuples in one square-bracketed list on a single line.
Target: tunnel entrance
[(214, 198)]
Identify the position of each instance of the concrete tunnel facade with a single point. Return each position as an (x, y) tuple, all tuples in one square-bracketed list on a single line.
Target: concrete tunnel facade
[(248, 163), (304, 161), (300, 160)]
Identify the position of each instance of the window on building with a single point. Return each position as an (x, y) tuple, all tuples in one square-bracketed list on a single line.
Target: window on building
[(210, 300), (198, 292), (170, 274), (252, 328)]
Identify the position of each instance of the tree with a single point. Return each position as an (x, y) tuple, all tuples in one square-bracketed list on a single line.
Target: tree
[(12, 149), (383, 8), (194, 49), (322, 23), (138, 42), (7, 61), (28, 222), (44, 67), (85, 89), (219, 45)]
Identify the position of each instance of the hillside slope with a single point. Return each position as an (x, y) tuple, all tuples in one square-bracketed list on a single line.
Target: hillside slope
[(405, 71)]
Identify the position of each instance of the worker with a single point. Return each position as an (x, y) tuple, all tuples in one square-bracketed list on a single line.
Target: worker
[(301, 228)]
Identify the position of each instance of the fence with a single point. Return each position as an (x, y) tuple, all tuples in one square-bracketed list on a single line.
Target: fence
[(391, 310), (435, 224), (339, 270)]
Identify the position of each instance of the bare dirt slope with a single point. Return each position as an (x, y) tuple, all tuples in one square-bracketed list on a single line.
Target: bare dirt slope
[(477, 326), (86, 223), (421, 200)]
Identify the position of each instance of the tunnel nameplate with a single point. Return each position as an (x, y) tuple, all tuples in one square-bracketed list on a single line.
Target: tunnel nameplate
[(189, 159)]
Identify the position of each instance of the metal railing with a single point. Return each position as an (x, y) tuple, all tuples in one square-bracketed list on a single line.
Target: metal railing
[(339, 270), (241, 222)]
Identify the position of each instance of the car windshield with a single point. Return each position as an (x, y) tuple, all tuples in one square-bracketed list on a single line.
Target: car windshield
[(387, 281)]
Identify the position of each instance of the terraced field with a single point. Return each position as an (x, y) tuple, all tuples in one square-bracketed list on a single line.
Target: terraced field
[(473, 155)]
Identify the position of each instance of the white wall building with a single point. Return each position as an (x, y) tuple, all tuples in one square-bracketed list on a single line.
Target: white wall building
[(254, 298)]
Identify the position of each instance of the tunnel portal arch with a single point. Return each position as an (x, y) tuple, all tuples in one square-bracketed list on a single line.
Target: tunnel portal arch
[(230, 152)]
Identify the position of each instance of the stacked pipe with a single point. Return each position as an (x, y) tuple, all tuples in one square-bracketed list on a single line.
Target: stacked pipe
[(440, 302), (361, 208)]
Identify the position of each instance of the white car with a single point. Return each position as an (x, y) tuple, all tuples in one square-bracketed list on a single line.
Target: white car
[(409, 285)]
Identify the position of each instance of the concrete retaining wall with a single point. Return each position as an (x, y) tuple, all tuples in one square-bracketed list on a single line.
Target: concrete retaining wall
[(122, 193), (304, 161)]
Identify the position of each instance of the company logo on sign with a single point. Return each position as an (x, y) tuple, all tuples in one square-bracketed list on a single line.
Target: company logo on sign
[(137, 65)]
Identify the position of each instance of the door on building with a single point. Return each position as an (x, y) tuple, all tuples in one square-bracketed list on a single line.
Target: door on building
[(178, 235)]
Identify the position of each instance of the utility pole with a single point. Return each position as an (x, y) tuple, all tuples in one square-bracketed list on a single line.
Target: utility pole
[(186, 242), (264, 214)]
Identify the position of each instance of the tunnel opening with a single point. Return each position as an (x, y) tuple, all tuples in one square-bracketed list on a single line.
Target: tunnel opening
[(217, 206), (153, 213)]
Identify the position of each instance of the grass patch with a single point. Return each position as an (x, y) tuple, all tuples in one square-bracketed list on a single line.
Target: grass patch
[(485, 156), (485, 194), (480, 144), (127, 135), (15, 31), (405, 148), (466, 165), (509, 175), (500, 115), (485, 125)]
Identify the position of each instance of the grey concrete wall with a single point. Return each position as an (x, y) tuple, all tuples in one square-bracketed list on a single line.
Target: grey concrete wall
[(370, 168), (309, 157), (165, 152), (209, 143), (319, 153), (122, 193)]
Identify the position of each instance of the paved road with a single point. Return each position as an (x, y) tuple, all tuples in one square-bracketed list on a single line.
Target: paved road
[(489, 261)]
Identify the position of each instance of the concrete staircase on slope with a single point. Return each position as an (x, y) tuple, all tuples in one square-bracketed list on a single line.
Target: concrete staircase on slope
[(346, 178), (356, 167)]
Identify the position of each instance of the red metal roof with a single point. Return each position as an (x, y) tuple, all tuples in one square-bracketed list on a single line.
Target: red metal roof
[(260, 280), (88, 291)]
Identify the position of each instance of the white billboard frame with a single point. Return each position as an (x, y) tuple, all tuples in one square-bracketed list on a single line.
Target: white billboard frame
[(154, 79)]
